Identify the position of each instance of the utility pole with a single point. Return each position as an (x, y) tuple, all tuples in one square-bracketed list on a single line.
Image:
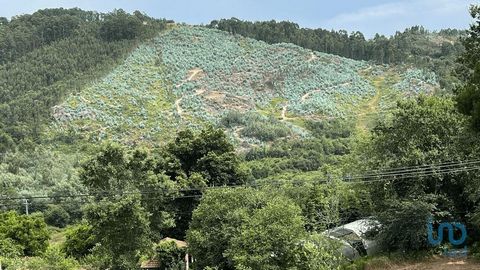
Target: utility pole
[(26, 203)]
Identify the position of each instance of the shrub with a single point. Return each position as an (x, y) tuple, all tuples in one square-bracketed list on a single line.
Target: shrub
[(404, 226), (28, 232), (56, 216), (80, 240)]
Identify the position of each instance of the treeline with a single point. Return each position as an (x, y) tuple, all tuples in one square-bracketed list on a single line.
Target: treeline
[(436, 51), (402, 47), (52, 53)]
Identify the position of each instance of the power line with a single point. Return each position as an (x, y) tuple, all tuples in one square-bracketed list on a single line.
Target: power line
[(410, 172), (420, 169)]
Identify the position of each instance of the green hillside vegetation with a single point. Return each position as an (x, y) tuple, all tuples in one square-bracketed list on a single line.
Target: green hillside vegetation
[(189, 76), (118, 130), (53, 53), (435, 51)]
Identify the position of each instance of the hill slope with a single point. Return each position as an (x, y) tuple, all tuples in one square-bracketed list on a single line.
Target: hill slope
[(188, 76)]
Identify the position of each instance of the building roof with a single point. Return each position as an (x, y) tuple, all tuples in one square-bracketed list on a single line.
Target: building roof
[(150, 264), (179, 243)]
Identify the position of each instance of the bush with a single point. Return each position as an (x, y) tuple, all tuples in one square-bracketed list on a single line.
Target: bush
[(80, 240), (53, 259), (56, 216), (170, 255), (404, 225), (8, 248), (28, 232)]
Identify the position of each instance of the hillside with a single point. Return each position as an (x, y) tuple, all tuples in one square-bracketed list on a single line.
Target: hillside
[(52, 53), (125, 138), (189, 76)]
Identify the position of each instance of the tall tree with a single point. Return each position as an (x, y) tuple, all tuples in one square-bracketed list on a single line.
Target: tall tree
[(468, 96)]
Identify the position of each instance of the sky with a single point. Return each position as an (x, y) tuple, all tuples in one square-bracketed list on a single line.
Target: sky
[(368, 16)]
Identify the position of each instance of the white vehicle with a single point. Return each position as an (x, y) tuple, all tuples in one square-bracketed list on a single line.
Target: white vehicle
[(353, 238)]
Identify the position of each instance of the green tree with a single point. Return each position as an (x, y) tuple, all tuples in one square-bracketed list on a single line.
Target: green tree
[(404, 225), (116, 171), (254, 229), (425, 131), (121, 227), (468, 96), (79, 240), (55, 215), (131, 192), (171, 256), (267, 239), (28, 232), (120, 25)]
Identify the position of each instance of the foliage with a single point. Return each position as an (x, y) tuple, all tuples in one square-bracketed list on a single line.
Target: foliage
[(253, 229), (318, 252), (122, 245), (272, 246), (170, 255), (427, 130), (468, 95), (328, 142), (404, 225), (37, 170), (417, 81), (56, 216), (80, 240), (160, 83), (8, 248), (435, 51), (120, 25), (49, 55), (53, 259), (29, 233)]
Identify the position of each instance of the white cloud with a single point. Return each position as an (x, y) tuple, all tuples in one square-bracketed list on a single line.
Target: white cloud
[(369, 13), (398, 15)]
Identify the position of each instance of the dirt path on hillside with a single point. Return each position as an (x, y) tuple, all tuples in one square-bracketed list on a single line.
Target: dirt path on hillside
[(284, 111), (371, 106), (194, 72), (179, 100)]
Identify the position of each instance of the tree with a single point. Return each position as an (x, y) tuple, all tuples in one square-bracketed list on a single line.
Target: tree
[(404, 225), (121, 227), (120, 25), (6, 143), (30, 233), (132, 197), (200, 159), (170, 256), (425, 131), (79, 240), (267, 239), (196, 151), (254, 229), (56, 216), (468, 96)]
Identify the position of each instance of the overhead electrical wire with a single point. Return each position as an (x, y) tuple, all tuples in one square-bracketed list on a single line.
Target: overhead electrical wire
[(378, 176)]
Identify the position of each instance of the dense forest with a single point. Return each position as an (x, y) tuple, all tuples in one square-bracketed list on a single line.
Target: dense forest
[(52, 53), (68, 203)]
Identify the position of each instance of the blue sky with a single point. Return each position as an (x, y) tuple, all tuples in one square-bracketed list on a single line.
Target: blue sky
[(367, 16)]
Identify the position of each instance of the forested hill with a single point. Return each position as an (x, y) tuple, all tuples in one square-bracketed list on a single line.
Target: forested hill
[(54, 52), (436, 51)]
